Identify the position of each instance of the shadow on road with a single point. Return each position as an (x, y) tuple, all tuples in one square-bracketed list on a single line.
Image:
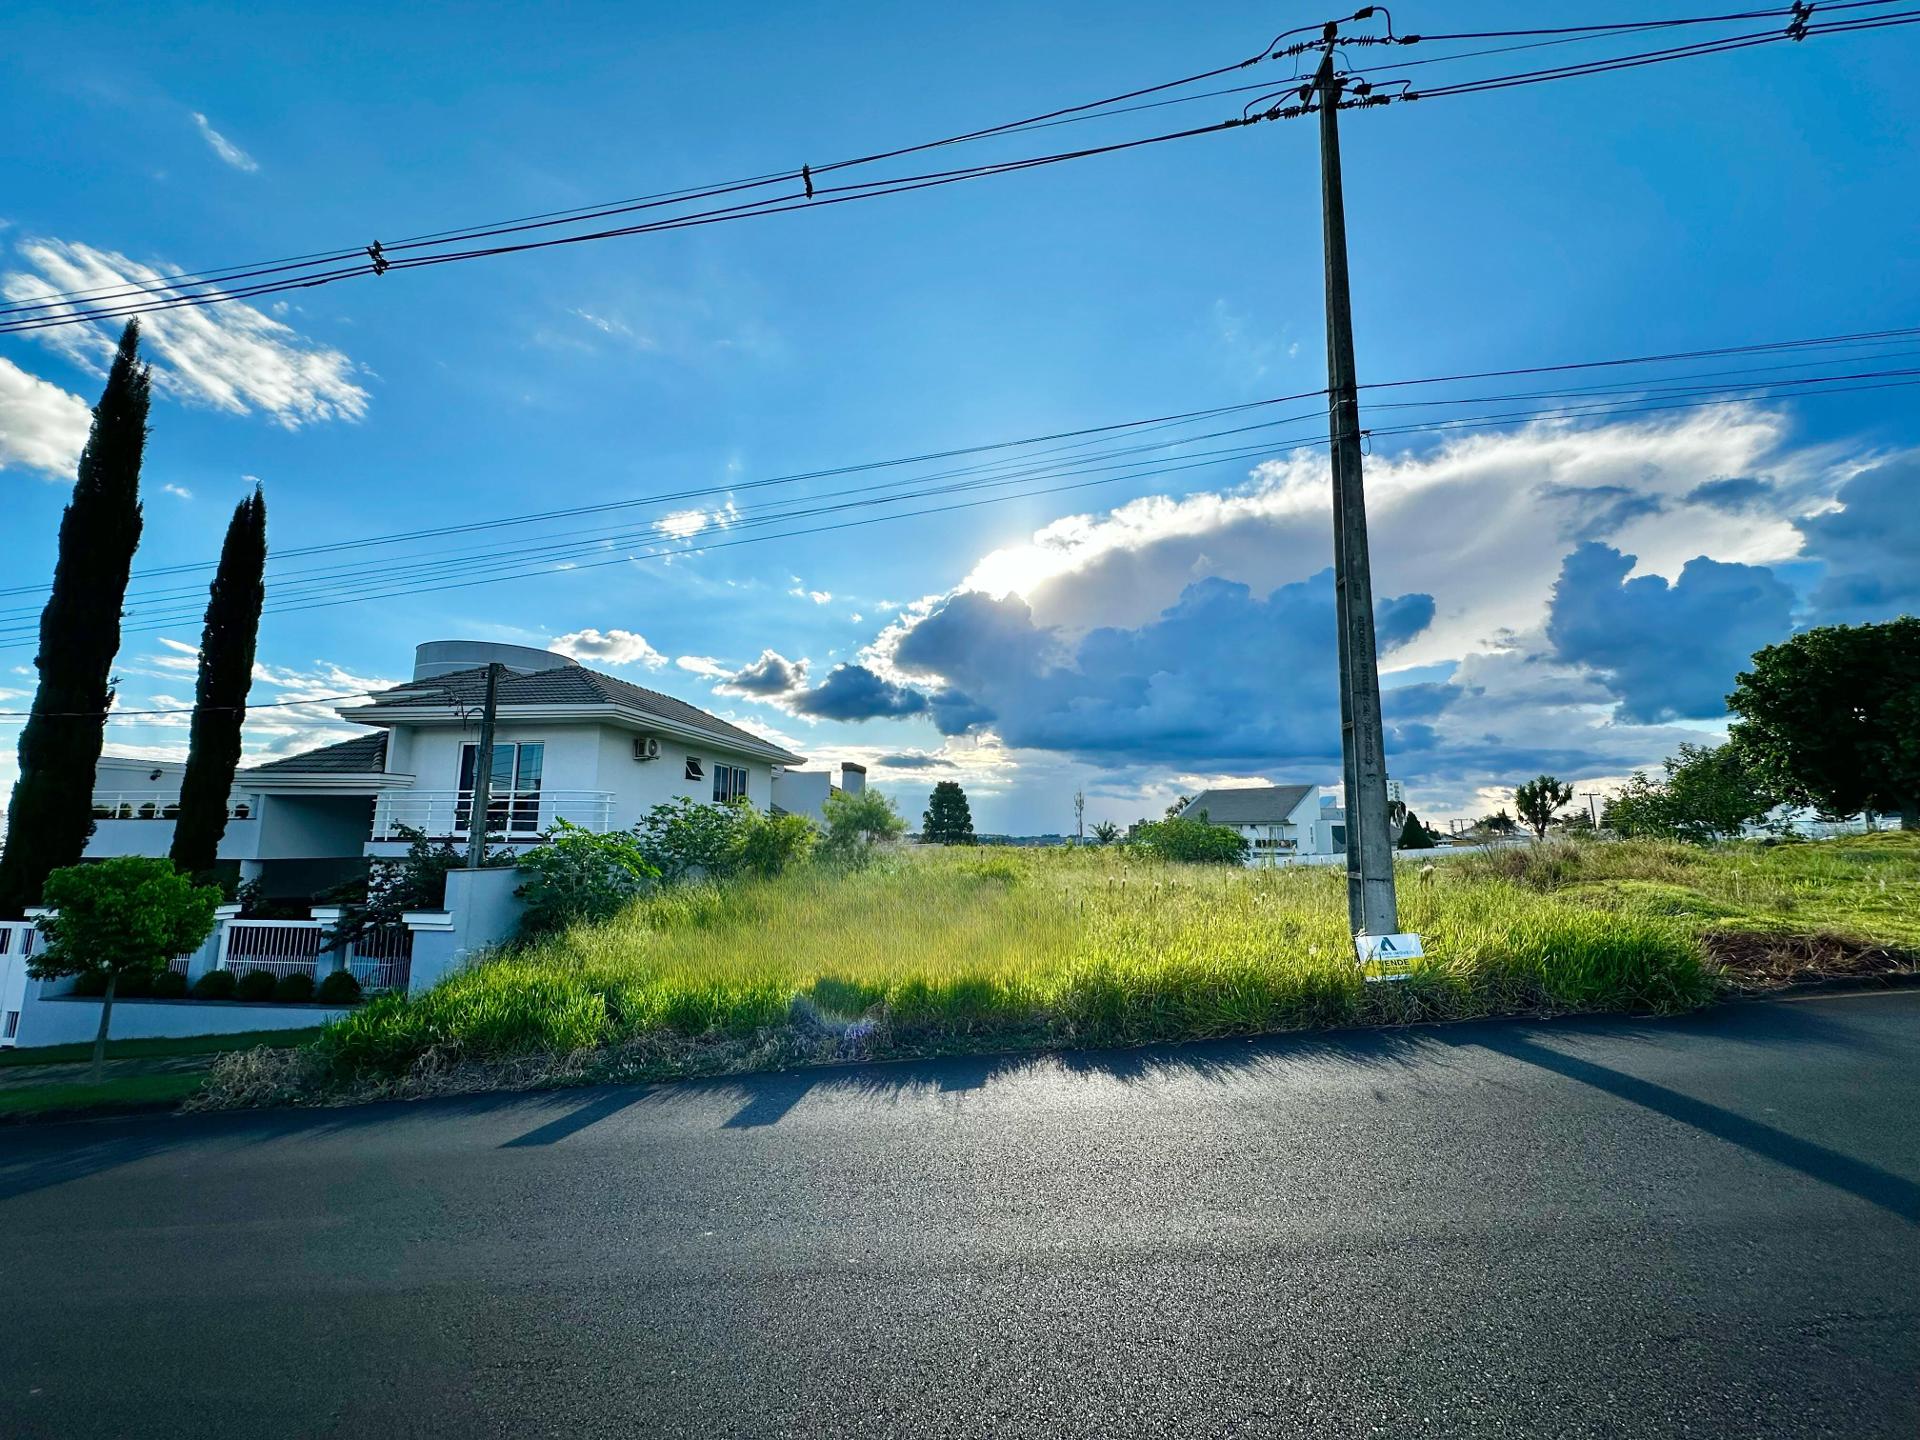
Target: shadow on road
[(33, 1157), (1858, 1178)]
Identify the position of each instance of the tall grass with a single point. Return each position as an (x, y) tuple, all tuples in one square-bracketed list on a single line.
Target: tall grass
[(968, 950)]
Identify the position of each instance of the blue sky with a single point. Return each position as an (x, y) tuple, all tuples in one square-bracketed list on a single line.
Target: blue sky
[(1583, 598)]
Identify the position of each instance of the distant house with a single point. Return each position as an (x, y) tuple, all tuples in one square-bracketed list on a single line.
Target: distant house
[(1281, 823), (569, 744)]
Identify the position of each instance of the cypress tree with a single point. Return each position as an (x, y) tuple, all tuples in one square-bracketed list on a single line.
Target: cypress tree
[(220, 697), (52, 811)]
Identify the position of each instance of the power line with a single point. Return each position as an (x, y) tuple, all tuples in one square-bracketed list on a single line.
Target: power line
[(52, 300), (360, 593), (26, 315), (1080, 435), (183, 709)]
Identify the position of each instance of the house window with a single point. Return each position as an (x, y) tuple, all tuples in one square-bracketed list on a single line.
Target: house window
[(695, 770), (13, 1024), (1339, 834), (513, 788), (729, 783)]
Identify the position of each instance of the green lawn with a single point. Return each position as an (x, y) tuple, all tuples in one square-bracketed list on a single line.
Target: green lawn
[(148, 1049), (116, 1092)]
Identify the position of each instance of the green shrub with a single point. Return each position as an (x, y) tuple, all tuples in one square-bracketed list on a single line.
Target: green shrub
[(89, 983), (339, 988), (858, 824), (578, 876), (134, 985), (294, 989), (684, 838), (169, 985), (255, 985), (1192, 842), (770, 844), (216, 985)]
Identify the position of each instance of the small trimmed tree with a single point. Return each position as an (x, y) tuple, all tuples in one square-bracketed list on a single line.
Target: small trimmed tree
[(1831, 718), (948, 819), (127, 916), (1539, 800), (220, 695)]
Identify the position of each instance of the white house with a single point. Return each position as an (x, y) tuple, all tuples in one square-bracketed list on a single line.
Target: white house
[(1281, 823), (805, 792), (569, 743)]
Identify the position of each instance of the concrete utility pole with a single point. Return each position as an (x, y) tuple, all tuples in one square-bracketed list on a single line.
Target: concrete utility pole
[(483, 772), (1371, 904)]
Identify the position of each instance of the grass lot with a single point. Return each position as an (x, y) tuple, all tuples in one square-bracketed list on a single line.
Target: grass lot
[(995, 949), (153, 1049), (44, 1079)]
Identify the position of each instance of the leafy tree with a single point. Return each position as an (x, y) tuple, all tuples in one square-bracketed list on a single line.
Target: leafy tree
[(857, 824), (1709, 793), (948, 819), (578, 875), (1106, 832), (1831, 718), (220, 695), (1195, 841), (52, 811), (1416, 836), (120, 918), (1498, 823), (1180, 802), (1539, 800)]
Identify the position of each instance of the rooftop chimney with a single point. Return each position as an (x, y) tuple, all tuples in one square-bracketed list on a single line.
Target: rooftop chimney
[(853, 778)]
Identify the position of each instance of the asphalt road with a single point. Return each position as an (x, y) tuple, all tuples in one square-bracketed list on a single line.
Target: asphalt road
[(1709, 1227)]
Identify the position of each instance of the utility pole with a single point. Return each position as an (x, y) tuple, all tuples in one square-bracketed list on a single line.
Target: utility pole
[(1371, 905), (1593, 809), (483, 773)]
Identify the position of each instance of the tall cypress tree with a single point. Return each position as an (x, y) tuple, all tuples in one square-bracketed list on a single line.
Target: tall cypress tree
[(220, 698), (52, 811)]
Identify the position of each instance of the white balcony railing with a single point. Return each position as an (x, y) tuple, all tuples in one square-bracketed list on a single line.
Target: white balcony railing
[(145, 805), (516, 815)]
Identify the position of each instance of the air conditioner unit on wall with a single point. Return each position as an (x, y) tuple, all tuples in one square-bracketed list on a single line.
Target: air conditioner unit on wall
[(646, 747)]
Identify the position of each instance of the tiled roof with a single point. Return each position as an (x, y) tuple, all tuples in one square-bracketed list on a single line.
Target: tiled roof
[(1251, 805), (563, 685), (362, 755)]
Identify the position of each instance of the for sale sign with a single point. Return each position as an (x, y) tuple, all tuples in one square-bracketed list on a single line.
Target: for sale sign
[(1387, 957)]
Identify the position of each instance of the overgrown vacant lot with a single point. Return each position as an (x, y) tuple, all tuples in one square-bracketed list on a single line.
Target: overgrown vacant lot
[(987, 949)]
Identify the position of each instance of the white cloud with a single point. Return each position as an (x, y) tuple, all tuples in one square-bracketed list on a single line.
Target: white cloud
[(613, 647), (231, 357), (231, 153), (42, 427), (1482, 523), (704, 665), (818, 597), (179, 492)]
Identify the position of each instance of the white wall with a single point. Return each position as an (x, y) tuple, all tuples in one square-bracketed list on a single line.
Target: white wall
[(803, 792), (639, 785), (584, 755), (311, 827)]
